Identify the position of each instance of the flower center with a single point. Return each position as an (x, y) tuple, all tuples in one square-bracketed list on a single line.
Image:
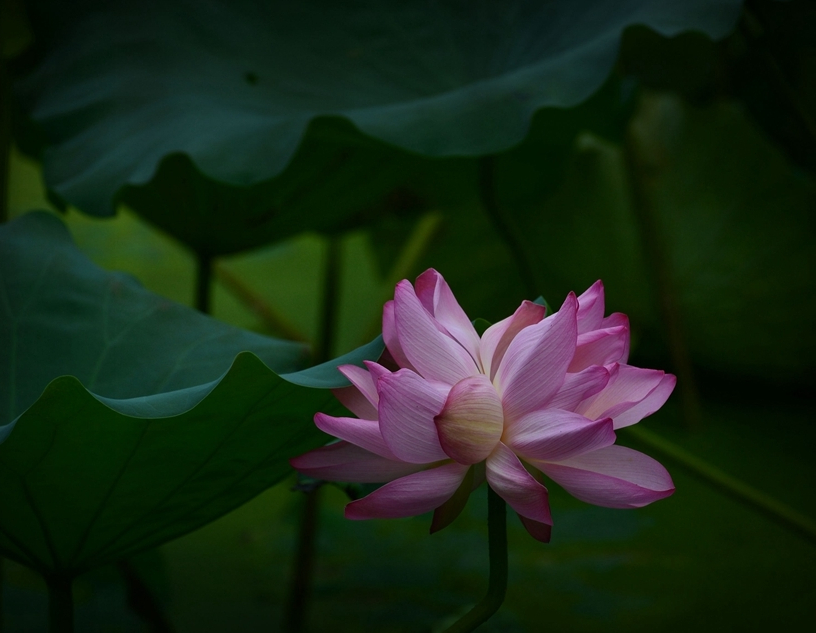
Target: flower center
[(471, 423)]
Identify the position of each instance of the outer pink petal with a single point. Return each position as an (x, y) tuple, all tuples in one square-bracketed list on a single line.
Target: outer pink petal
[(408, 405), (434, 293), (511, 481), (651, 403), (408, 496), (580, 386), (390, 336), (497, 338), (435, 355), (555, 435), (356, 402), (613, 477), (345, 462), (618, 319), (364, 433), (628, 386), (599, 347), (535, 365), (591, 308)]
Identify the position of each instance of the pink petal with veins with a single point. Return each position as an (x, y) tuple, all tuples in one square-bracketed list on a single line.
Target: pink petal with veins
[(389, 326), (511, 481), (408, 405), (436, 296), (579, 387), (497, 338), (363, 433), (628, 386), (346, 462), (555, 435), (612, 477), (535, 364), (599, 347), (591, 308), (435, 355), (408, 496)]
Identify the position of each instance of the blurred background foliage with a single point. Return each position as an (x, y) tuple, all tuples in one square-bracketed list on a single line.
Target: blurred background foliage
[(683, 176)]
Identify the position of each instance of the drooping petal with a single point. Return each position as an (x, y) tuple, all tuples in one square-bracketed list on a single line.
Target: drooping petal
[(613, 477), (408, 406), (599, 347), (434, 293), (579, 387), (363, 433), (408, 496), (446, 514), (535, 364), (471, 421), (591, 308), (346, 462), (651, 403), (392, 343), (555, 435), (436, 356), (511, 481), (497, 338), (538, 530), (627, 387)]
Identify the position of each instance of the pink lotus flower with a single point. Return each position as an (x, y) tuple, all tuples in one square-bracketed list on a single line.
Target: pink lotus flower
[(532, 395)]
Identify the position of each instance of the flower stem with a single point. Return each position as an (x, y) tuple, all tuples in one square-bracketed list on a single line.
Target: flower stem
[(497, 587), (60, 604)]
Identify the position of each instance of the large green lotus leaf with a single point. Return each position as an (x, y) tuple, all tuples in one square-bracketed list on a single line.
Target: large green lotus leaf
[(158, 429), (235, 85)]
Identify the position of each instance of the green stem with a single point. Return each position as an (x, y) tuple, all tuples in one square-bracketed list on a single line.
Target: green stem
[(497, 587), (297, 605), (60, 604), (733, 487), (203, 282)]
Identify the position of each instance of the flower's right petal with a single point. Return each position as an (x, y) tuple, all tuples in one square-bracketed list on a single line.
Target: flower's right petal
[(599, 347), (555, 435), (346, 462), (364, 433), (435, 355), (511, 481), (535, 365), (612, 477), (497, 338), (409, 496), (389, 330), (591, 308), (408, 406), (628, 386), (618, 319), (434, 293), (580, 386)]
